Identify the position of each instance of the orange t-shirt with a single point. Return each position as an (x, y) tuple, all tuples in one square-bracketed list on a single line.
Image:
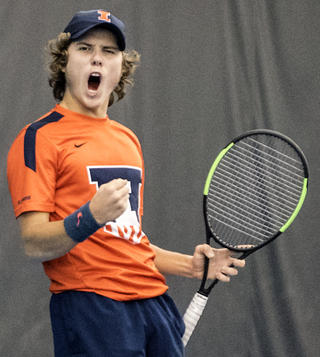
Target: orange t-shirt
[(56, 165)]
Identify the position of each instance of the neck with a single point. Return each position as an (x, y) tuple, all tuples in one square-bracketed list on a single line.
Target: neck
[(96, 112)]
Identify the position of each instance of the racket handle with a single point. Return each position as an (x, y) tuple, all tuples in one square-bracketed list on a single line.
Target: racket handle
[(192, 315)]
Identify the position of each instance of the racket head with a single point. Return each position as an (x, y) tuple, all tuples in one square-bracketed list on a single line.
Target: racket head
[(254, 190)]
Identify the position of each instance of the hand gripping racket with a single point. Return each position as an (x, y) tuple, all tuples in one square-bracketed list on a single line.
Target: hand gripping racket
[(253, 192)]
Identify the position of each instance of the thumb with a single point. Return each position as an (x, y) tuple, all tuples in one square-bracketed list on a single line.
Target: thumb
[(206, 250)]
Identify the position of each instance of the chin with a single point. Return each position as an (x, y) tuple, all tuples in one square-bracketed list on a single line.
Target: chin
[(96, 104)]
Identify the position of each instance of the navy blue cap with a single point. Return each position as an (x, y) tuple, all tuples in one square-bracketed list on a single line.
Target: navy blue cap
[(84, 21)]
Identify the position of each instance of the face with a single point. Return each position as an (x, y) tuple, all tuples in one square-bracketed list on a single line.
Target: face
[(92, 72)]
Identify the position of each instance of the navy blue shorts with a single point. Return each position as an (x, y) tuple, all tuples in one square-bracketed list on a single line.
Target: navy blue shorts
[(89, 325)]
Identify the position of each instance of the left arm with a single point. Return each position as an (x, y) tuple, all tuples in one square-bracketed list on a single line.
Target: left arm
[(173, 263), (222, 264)]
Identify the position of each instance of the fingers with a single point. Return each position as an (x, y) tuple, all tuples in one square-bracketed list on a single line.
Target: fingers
[(223, 278), (121, 193), (229, 271), (222, 265), (225, 273), (118, 184), (110, 201), (240, 263)]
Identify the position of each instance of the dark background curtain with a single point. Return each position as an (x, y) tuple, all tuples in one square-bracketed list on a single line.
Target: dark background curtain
[(210, 70)]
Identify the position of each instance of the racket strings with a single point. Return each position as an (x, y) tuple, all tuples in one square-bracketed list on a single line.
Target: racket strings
[(284, 177), (287, 160), (251, 188), (291, 170), (254, 190), (244, 226), (242, 214)]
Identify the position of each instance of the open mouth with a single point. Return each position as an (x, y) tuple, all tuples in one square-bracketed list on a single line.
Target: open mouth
[(94, 81)]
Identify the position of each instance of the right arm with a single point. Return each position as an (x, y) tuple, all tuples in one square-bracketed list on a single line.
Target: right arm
[(43, 239), (48, 240)]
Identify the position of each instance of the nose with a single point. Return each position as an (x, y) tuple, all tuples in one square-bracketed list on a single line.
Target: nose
[(96, 59), (96, 62)]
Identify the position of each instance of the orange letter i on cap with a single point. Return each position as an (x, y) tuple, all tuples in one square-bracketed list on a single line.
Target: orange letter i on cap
[(104, 15)]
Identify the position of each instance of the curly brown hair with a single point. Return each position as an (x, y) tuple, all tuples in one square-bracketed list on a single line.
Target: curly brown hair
[(57, 57)]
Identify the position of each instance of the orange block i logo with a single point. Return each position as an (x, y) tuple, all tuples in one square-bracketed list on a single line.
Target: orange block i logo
[(104, 15)]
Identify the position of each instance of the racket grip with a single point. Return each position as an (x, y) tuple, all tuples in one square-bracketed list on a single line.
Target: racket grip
[(192, 315)]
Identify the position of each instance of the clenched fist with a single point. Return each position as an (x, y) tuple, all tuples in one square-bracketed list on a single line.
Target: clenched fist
[(110, 201)]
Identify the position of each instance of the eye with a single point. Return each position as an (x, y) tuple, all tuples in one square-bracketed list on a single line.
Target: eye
[(109, 50), (83, 48)]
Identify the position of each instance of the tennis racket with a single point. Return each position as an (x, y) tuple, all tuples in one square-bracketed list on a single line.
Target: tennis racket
[(254, 191)]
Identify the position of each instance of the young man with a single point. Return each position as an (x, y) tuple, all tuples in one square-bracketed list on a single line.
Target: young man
[(76, 180)]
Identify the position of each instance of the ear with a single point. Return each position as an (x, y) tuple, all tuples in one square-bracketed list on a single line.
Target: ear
[(64, 65), (65, 61)]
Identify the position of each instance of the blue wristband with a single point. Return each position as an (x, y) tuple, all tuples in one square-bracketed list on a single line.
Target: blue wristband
[(81, 224)]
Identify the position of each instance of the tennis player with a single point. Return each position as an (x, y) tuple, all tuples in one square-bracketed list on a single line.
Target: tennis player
[(76, 179)]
